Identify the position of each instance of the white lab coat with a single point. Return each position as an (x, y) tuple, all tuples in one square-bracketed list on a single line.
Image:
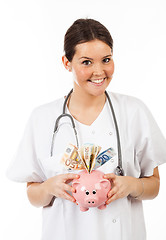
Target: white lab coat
[(143, 148)]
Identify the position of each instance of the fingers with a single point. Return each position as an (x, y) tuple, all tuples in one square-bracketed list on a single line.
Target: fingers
[(69, 188), (110, 176), (113, 198), (67, 196), (67, 178), (62, 190), (121, 186), (112, 195), (62, 186), (71, 176)]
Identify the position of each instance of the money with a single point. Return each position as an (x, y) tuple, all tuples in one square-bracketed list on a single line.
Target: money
[(71, 158), (88, 153), (104, 157), (86, 157)]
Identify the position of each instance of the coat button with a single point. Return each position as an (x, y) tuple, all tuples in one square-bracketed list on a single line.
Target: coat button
[(110, 133), (93, 131), (114, 220)]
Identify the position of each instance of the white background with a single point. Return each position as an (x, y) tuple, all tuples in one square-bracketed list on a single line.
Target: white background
[(31, 73)]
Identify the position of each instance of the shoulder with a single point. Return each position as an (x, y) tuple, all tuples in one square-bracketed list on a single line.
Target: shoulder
[(131, 110), (123, 99), (133, 113), (126, 103), (48, 110)]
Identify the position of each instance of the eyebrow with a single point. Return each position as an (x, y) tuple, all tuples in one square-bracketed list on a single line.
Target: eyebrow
[(110, 55), (86, 58)]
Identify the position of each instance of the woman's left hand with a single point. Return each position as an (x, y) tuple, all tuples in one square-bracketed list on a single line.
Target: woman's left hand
[(121, 186)]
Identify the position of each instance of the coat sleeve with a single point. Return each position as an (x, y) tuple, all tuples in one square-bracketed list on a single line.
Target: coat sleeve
[(25, 167), (150, 142)]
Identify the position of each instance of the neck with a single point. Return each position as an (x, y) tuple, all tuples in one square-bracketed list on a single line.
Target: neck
[(82, 100)]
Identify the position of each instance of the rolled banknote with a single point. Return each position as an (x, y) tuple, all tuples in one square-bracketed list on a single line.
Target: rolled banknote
[(88, 153)]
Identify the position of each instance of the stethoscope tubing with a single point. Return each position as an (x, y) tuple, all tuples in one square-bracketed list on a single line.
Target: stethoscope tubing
[(119, 170)]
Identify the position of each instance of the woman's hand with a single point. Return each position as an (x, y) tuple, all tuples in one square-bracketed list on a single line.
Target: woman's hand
[(58, 185), (144, 188), (121, 186), (42, 194)]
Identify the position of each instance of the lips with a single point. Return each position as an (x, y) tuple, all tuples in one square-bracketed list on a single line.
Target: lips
[(97, 82)]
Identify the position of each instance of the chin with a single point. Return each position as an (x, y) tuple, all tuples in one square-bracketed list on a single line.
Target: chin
[(98, 90), (97, 93)]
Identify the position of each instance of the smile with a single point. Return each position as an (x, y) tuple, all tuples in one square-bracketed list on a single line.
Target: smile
[(97, 81)]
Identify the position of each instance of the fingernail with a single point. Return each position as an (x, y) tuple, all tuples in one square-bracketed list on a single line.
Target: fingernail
[(73, 190), (109, 195)]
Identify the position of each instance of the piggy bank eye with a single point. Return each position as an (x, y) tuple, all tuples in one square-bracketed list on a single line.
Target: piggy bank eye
[(94, 192), (87, 192)]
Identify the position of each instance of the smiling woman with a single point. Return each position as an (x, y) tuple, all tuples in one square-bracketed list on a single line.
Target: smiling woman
[(88, 57), (92, 67)]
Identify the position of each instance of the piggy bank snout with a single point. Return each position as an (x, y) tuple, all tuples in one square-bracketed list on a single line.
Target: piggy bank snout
[(91, 202)]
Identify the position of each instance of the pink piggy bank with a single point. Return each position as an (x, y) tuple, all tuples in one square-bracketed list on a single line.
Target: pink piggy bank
[(91, 190)]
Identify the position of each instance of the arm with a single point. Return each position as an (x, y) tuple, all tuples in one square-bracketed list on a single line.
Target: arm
[(144, 188), (41, 194)]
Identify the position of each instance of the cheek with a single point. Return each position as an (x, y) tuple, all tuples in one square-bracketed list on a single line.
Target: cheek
[(110, 70), (81, 74)]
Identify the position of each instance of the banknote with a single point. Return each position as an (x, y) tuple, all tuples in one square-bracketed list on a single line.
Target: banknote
[(71, 158), (86, 157), (105, 156), (89, 156), (88, 153)]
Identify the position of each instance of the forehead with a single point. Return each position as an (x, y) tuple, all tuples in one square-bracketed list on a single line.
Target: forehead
[(94, 48)]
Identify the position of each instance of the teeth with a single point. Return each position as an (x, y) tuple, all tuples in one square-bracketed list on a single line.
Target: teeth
[(98, 80)]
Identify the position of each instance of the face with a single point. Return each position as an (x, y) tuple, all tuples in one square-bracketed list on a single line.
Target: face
[(92, 67)]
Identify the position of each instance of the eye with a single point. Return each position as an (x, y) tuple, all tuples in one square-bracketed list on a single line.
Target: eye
[(106, 60), (94, 192), (87, 192), (87, 62)]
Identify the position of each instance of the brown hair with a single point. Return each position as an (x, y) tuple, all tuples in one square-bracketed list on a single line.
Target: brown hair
[(85, 30)]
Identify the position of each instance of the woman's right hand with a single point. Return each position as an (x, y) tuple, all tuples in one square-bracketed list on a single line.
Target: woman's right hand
[(58, 185)]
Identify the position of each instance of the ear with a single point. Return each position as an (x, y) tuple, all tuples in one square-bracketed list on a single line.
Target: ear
[(75, 184), (66, 63), (102, 184), (105, 183)]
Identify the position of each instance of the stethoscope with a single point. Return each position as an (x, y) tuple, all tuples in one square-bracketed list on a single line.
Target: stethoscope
[(119, 170)]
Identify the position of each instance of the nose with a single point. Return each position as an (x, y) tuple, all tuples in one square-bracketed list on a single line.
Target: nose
[(91, 202), (98, 69)]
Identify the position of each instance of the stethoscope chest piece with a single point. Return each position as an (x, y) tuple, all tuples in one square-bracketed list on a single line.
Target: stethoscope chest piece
[(119, 171)]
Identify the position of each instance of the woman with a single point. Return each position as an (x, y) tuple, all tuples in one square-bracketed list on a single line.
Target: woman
[(89, 57)]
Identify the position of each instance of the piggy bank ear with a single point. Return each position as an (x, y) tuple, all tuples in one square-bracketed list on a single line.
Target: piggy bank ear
[(75, 184), (104, 183)]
